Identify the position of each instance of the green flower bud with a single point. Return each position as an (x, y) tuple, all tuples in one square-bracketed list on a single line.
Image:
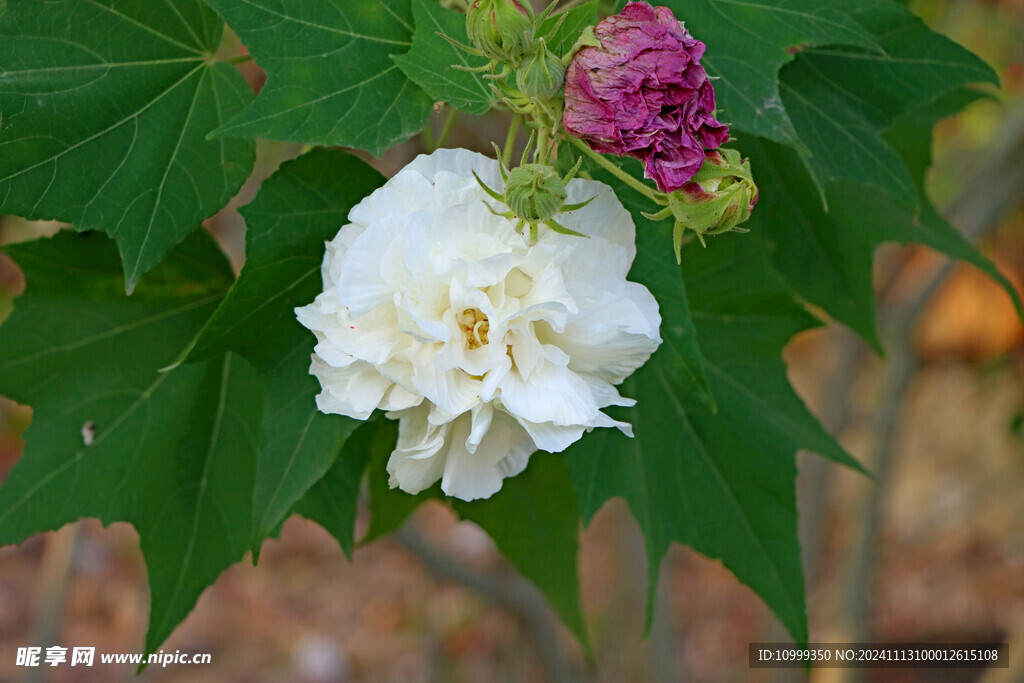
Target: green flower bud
[(542, 73), (720, 197), (534, 192), (501, 29)]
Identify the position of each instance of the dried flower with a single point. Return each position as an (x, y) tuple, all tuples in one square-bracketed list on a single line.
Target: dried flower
[(644, 94)]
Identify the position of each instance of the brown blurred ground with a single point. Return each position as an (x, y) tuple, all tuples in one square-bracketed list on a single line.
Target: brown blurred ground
[(945, 560)]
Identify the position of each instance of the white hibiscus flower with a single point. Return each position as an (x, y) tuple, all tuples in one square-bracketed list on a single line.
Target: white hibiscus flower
[(483, 346)]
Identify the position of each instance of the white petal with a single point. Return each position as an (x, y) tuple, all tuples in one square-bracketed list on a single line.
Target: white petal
[(418, 459), (454, 392), (552, 394), (362, 286), (551, 437), (355, 390), (470, 476)]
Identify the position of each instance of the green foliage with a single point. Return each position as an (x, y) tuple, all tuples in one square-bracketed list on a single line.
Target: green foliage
[(432, 62), (105, 108), (721, 482), (113, 436), (187, 408), (533, 519), (331, 502), (330, 78), (569, 28), (750, 43), (296, 210)]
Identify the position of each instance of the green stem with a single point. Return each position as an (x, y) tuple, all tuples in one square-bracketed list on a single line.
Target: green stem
[(427, 135), (510, 140), (642, 188), (540, 156), (449, 123), (240, 59)]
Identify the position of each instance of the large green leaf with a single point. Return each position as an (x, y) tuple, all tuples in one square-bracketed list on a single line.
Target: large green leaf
[(914, 66), (105, 108), (846, 146), (721, 482), (333, 500), (560, 41), (748, 42), (433, 62), (389, 508), (301, 206), (305, 203), (840, 98), (870, 178), (680, 354), (112, 436), (298, 447), (330, 78), (533, 519), (826, 257)]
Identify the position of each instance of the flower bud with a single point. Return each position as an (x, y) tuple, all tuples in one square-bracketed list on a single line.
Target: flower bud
[(501, 29), (542, 73), (720, 196), (534, 192)]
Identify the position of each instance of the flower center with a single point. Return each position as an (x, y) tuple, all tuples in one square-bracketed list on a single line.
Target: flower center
[(475, 326)]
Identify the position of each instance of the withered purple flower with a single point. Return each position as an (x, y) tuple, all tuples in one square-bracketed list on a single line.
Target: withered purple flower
[(644, 94)]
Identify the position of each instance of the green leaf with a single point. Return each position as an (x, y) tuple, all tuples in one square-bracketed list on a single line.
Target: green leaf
[(115, 438), (845, 146), (332, 501), (723, 482), (534, 520), (330, 78), (827, 266), (827, 257), (749, 41), (305, 203), (300, 446), (840, 98), (105, 111), (680, 355), (576, 19), (914, 66), (432, 61), (389, 508), (301, 206)]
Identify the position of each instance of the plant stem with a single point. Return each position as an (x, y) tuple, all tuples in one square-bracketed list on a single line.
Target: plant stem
[(240, 59), (607, 165), (449, 123), (510, 140), (427, 135), (540, 155)]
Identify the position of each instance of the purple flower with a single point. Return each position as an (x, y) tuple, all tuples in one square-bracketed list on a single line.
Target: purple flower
[(644, 94)]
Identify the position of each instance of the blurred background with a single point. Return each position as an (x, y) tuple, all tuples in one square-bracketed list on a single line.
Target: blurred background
[(933, 552)]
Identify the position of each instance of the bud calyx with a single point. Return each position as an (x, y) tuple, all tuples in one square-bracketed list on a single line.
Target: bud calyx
[(501, 29), (719, 197), (541, 74)]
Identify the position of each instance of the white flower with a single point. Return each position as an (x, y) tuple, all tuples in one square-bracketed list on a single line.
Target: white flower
[(484, 347)]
